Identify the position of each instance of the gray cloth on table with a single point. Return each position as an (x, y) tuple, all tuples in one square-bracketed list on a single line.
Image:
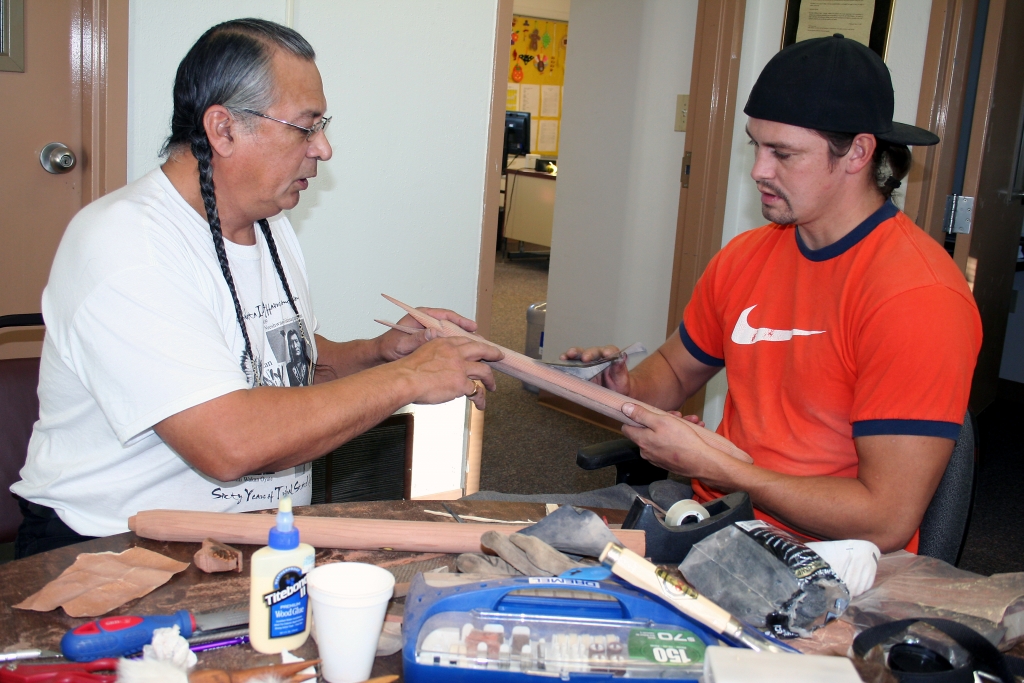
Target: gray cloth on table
[(618, 497), (573, 530), (666, 492)]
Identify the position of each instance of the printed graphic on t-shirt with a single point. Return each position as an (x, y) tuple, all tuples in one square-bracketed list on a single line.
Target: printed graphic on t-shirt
[(289, 361), (745, 333), (294, 365), (262, 491)]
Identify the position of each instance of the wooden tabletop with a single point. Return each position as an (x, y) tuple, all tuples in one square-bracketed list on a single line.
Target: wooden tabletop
[(199, 592)]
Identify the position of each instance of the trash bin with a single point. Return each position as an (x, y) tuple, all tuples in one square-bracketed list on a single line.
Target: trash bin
[(535, 314)]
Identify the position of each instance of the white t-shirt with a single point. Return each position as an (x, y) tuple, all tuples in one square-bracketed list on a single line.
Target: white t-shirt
[(140, 325)]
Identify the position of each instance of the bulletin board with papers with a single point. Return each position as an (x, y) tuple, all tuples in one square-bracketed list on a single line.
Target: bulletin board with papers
[(536, 72)]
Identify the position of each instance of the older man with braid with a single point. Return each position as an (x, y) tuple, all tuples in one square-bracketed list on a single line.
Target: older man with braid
[(171, 309)]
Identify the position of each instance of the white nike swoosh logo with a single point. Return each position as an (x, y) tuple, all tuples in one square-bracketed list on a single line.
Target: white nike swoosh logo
[(743, 333)]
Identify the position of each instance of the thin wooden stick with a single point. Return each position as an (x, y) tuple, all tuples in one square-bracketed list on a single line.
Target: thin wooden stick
[(587, 394), (289, 672), (400, 328), (334, 532)]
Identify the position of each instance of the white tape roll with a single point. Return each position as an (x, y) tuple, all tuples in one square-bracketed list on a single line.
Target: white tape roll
[(686, 511)]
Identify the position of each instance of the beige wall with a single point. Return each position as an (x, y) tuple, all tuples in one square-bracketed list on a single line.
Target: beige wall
[(618, 173)]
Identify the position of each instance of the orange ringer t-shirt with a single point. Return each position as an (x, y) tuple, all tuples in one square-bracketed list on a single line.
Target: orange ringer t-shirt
[(877, 333)]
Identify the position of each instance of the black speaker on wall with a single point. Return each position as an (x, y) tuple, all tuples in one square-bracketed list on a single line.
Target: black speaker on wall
[(376, 465)]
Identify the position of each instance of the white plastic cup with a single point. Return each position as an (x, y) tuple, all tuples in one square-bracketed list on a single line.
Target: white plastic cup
[(349, 600)]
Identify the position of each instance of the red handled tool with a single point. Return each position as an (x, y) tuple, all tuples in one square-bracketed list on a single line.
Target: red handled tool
[(100, 671)]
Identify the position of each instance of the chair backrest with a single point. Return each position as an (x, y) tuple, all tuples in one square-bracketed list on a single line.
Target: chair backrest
[(19, 406), (944, 527)]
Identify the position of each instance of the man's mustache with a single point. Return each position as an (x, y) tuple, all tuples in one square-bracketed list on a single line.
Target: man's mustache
[(771, 189)]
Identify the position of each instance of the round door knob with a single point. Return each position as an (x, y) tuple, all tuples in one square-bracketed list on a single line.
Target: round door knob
[(57, 158)]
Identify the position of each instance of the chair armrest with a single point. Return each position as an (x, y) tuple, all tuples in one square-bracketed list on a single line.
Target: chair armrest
[(607, 453)]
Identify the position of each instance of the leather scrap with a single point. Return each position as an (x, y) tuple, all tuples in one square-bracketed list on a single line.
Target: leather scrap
[(215, 556), (99, 582)]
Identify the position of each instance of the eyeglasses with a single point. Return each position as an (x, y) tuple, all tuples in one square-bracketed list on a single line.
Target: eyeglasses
[(319, 126)]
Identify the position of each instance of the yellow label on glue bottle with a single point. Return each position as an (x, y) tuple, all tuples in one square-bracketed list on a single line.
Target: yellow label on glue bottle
[(279, 617)]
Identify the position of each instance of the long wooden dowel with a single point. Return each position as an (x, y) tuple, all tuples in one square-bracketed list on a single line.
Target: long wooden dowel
[(334, 532), (587, 394)]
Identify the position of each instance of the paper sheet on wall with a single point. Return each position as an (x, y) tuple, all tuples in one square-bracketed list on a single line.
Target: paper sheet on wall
[(512, 97), (529, 99), (547, 136), (549, 100), (820, 18), (533, 135)]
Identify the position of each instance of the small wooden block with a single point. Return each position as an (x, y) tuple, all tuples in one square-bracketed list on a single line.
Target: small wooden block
[(215, 556)]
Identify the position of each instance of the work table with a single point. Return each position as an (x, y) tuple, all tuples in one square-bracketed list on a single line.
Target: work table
[(200, 592), (197, 591)]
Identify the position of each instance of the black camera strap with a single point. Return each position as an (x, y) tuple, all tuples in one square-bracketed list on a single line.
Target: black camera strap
[(985, 658)]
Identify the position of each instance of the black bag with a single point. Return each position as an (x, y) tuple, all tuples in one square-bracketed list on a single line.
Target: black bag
[(912, 663)]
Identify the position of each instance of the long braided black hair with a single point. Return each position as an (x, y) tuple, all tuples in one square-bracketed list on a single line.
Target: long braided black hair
[(230, 65)]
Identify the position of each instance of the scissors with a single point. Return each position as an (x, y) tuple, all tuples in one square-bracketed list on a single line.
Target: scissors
[(100, 671)]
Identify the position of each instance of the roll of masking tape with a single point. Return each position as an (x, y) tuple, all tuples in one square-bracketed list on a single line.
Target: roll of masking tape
[(686, 511)]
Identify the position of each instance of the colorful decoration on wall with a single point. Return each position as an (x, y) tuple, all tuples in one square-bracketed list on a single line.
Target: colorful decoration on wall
[(541, 43)]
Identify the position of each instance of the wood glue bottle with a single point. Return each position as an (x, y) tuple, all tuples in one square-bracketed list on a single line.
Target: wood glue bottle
[(279, 616)]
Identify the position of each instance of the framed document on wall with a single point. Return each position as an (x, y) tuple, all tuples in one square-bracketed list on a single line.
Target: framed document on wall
[(866, 21), (12, 35)]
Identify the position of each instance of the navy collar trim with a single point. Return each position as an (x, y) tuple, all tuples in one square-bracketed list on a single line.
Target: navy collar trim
[(850, 239)]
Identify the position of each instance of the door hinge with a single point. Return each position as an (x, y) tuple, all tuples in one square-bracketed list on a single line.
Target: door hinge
[(959, 212), (684, 175)]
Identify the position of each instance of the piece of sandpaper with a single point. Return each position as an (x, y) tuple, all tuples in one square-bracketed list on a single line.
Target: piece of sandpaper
[(100, 582)]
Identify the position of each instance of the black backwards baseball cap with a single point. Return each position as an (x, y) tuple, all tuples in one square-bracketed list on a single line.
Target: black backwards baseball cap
[(832, 84)]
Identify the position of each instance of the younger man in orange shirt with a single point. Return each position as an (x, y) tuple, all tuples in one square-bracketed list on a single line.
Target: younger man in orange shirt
[(848, 334)]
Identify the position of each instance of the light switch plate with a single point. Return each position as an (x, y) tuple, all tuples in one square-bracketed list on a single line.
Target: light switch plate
[(682, 107)]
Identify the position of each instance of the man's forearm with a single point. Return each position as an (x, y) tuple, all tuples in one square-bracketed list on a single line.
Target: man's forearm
[(347, 358), (896, 478), (882, 504), (669, 376), (653, 381), (820, 507), (272, 428)]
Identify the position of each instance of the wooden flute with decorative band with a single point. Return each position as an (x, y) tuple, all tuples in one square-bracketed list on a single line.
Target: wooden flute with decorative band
[(658, 581)]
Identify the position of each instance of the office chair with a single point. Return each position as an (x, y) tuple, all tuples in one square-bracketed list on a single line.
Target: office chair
[(19, 406), (943, 529)]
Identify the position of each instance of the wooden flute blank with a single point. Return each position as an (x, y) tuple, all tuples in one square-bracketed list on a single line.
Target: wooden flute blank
[(647, 576), (587, 394), (334, 532)]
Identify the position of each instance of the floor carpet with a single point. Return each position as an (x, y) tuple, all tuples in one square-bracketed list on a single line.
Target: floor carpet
[(529, 448)]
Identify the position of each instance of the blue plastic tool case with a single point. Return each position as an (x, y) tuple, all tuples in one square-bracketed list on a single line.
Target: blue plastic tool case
[(513, 630)]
